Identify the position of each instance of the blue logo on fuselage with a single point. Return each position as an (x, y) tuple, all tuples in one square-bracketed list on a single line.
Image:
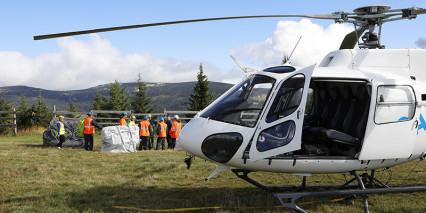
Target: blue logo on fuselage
[(403, 119), (422, 124)]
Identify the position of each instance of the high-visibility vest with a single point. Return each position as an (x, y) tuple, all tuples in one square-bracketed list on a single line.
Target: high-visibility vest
[(131, 122), (175, 130), (163, 128), (144, 131), (123, 122), (61, 130), (88, 127)]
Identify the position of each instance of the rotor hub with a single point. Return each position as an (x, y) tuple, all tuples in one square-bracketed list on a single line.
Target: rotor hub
[(373, 9), (370, 17)]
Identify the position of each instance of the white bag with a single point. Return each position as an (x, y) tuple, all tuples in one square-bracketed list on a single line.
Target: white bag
[(120, 138)]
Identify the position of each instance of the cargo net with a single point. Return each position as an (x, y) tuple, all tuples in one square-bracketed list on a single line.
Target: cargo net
[(71, 129)]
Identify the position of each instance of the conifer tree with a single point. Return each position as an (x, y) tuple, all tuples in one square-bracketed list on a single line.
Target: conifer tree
[(41, 114), (99, 101), (118, 99), (285, 59), (72, 108), (202, 96), (4, 106), (23, 114), (140, 101)]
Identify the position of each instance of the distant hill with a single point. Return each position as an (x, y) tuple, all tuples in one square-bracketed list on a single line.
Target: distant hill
[(172, 96)]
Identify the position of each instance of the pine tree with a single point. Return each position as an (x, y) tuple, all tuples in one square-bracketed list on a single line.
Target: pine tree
[(72, 108), (41, 114), (100, 101), (285, 59), (202, 96), (23, 114), (4, 106), (118, 99), (140, 101)]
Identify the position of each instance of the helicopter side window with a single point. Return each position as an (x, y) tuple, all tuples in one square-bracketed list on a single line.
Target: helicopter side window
[(276, 136), (394, 104), (309, 102), (243, 105), (287, 99)]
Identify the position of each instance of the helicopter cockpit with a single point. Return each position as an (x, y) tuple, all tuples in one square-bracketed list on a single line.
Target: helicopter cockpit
[(243, 105), (294, 115), (327, 115)]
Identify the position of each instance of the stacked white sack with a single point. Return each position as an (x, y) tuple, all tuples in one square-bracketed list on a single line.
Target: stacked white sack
[(120, 138)]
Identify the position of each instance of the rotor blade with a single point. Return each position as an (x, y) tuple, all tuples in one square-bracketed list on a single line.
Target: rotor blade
[(421, 11), (351, 38), (57, 35)]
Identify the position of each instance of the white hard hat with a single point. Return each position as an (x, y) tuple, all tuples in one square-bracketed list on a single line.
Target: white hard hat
[(176, 117)]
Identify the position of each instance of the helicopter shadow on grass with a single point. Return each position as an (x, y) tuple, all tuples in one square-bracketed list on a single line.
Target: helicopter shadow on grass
[(140, 198)]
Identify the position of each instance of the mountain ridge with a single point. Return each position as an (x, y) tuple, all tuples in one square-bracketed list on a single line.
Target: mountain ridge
[(172, 96)]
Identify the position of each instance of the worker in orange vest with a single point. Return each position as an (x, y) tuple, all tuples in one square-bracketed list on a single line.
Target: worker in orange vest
[(144, 132), (162, 134), (123, 119), (89, 130), (175, 130)]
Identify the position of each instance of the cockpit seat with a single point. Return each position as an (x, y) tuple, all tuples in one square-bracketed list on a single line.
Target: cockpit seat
[(327, 117), (353, 126), (339, 137)]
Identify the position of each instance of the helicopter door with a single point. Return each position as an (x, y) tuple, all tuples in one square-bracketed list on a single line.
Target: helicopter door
[(280, 128), (394, 133)]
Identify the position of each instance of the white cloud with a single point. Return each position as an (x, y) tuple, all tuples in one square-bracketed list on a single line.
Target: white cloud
[(316, 42), (421, 42), (80, 65)]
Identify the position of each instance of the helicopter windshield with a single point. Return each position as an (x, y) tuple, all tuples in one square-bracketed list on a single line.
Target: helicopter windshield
[(243, 105)]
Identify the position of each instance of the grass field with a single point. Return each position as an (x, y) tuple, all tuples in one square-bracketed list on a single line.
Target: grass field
[(41, 179)]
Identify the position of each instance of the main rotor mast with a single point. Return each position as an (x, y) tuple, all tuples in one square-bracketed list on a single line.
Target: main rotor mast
[(370, 17)]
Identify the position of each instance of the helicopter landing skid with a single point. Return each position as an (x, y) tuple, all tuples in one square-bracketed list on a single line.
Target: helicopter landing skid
[(367, 184), (243, 174)]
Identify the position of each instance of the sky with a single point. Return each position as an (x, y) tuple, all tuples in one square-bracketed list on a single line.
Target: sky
[(173, 53)]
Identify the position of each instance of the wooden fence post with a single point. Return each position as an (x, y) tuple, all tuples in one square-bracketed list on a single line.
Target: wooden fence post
[(9, 119), (14, 122)]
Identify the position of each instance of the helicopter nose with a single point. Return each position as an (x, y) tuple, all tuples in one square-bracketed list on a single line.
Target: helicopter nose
[(190, 138), (205, 141)]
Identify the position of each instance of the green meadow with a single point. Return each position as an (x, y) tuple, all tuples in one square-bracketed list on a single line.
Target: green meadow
[(45, 179)]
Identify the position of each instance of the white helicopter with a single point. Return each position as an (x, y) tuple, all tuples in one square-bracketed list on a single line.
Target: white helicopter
[(357, 110)]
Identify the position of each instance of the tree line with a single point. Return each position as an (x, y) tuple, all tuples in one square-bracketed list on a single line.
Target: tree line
[(39, 114), (119, 101)]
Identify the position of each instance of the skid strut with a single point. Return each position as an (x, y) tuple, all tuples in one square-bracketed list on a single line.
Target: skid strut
[(243, 174), (365, 186)]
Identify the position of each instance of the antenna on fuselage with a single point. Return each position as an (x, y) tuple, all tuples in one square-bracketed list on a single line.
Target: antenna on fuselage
[(286, 60), (245, 69)]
